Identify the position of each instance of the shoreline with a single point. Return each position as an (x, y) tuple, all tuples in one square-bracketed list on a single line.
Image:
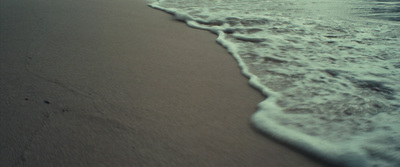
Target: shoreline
[(122, 84)]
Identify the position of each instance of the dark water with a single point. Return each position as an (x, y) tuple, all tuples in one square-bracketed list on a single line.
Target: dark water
[(382, 9)]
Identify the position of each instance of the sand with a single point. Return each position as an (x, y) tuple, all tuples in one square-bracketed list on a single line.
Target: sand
[(117, 83)]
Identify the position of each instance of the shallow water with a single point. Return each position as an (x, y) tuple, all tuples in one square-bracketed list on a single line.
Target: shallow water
[(330, 70)]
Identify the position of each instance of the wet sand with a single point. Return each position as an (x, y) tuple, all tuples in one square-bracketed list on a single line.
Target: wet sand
[(117, 83)]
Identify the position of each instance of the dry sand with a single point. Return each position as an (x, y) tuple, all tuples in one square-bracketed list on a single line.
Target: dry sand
[(116, 83)]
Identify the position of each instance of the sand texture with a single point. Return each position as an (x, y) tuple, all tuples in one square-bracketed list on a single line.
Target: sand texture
[(117, 83)]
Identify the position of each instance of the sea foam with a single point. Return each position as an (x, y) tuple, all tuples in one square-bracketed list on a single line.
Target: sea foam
[(330, 70)]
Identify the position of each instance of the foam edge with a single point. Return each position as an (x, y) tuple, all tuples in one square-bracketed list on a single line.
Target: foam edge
[(346, 156)]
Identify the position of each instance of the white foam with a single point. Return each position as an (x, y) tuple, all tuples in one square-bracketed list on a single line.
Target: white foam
[(330, 72)]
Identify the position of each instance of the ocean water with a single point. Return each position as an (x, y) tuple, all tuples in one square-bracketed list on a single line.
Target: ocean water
[(330, 70)]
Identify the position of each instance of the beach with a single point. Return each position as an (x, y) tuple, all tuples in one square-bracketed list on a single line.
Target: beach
[(117, 83)]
